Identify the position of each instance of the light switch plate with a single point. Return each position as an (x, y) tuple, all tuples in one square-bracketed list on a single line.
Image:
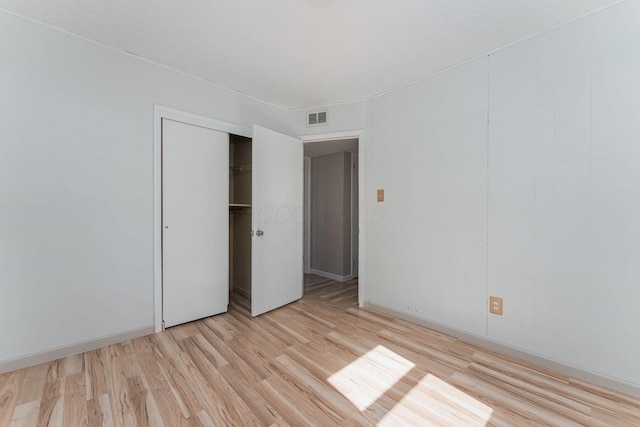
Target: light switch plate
[(381, 195)]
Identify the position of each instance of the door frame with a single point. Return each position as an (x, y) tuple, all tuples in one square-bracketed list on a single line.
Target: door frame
[(354, 220), (307, 215), (362, 220), (163, 112)]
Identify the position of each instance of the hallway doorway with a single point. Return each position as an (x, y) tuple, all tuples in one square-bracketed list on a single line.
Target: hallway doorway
[(331, 209)]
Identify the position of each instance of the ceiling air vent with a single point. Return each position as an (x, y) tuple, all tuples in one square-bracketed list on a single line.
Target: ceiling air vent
[(318, 118)]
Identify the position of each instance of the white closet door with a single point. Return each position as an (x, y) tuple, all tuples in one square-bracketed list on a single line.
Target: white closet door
[(195, 222), (277, 251)]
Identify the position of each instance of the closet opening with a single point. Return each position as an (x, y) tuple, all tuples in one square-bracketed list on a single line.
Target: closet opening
[(210, 178), (240, 197), (331, 200)]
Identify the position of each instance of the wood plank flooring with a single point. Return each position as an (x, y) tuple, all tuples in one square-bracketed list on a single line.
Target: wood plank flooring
[(320, 361)]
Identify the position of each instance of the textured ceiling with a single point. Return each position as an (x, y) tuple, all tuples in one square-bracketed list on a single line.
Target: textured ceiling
[(303, 53)]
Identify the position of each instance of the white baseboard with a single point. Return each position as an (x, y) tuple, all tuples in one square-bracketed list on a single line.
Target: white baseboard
[(331, 275), (567, 370), (70, 350), (245, 293)]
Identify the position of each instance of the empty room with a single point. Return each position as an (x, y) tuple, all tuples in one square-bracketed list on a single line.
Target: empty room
[(319, 212)]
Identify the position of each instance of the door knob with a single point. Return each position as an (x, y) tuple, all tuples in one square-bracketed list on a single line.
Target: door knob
[(259, 233)]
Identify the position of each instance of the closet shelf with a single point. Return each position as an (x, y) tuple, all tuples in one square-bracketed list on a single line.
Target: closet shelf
[(239, 205)]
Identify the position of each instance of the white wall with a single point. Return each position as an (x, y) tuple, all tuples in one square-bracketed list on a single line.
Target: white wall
[(76, 183), (540, 207), (427, 241), (564, 193)]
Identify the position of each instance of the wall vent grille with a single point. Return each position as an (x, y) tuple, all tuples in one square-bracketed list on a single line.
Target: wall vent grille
[(317, 118)]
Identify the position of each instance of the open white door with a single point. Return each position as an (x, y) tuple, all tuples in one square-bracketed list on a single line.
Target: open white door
[(277, 249), (195, 222)]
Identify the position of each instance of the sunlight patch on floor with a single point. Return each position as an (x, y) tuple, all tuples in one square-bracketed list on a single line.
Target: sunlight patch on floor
[(440, 403), (370, 376), (381, 380)]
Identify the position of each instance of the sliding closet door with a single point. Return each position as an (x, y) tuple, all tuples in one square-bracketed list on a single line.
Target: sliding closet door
[(195, 222), (276, 261)]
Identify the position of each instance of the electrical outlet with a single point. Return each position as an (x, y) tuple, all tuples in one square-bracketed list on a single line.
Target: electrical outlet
[(495, 305), (381, 195)]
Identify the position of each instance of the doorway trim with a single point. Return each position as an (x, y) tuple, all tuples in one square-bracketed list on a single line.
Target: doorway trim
[(362, 235), (307, 215), (163, 112)]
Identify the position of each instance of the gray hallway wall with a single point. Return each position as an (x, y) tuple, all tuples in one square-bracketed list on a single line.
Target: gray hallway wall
[(331, 214)]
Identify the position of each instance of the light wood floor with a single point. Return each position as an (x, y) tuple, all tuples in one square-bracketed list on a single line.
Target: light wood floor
[(319, 361)]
